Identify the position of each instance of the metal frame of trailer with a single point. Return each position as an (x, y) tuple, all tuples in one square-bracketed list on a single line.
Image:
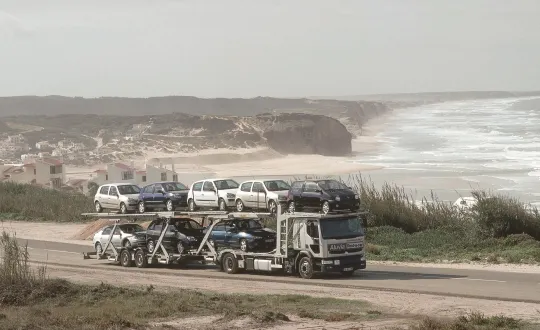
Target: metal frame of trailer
[(127, 256)]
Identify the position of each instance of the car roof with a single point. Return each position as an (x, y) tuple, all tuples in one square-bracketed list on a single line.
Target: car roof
[(120, 184)]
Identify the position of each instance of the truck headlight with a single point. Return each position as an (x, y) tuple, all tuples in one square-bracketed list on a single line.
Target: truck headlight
[(338, 198)]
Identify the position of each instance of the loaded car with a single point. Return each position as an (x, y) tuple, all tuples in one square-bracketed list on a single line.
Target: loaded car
[(117, 196), (323, 195), (183, 234), (125, 235), (262, 194), (244, 234), (212, 193), (168, 195)]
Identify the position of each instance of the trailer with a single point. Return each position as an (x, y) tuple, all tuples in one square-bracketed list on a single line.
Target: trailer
[(139, 256), (306, 244)]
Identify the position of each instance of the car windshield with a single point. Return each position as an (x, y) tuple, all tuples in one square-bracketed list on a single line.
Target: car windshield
[(128, 189), (174, 186), (226, 184), (248, 224), (187, 224), (130, 229), (342, 228), (332, 185), (276, 185)]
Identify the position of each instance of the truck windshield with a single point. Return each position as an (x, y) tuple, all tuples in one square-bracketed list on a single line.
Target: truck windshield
[(341, 228)]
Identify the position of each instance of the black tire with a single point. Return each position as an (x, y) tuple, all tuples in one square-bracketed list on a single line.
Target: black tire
[(150, 246), (126, 243), (291, 207), (191, 205), (98, 207), (169, 206), (140, 259), (244, 245), (125, 258), (240, 207), (325, 207), (98, 248), (142, 207), (348, 273), (123, 208), (221, 205), (229, 263), (272, 207), (305, 268)]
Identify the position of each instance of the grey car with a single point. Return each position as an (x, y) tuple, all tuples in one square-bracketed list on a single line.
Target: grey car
[(125, 235), (122, 197)]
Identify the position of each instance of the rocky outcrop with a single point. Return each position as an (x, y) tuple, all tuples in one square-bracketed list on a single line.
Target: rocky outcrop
[(308, 134)]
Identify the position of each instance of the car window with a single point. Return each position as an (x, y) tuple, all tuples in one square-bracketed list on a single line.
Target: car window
[(311, 187), (208, 186), (194, 224), (297, 185), (248, 224), (128, 189), (197, 186), (174, 186), (257, 186), (158, 226), (106, 231), (332, 185), (276, 185), (149, 189), (246, 186), (113, 191), (131, 228), (157, 187), (151, 225), (226, 184), (104, 190)]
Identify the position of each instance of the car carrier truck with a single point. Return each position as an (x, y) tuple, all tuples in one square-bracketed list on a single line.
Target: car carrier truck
[(306, 244)]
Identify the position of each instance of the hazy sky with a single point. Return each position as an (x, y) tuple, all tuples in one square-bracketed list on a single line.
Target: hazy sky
[(289, 48)]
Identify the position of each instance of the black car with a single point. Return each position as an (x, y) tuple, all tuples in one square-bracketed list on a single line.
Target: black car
[(182, 235), (168, 195), (323, 195), (244, 234)]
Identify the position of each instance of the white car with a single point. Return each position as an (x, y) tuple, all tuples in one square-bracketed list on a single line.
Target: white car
[(262, 194), (128, 234), (122, 197), (212, 193)]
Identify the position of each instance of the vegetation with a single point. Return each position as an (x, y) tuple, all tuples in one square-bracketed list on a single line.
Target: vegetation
[(473, 321), (27, 202)]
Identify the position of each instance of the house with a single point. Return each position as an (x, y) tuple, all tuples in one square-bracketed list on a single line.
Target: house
[(101, 178), (140, 178), (50, 171), (18, 173), (119, 172), (157, 174)]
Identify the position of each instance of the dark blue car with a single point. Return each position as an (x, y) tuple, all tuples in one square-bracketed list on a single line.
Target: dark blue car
[(244, 234), (168, 195)]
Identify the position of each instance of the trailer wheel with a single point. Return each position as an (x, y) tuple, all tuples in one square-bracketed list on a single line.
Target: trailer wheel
[(230, 264), (305, 268), (140, 259), (125, 258)]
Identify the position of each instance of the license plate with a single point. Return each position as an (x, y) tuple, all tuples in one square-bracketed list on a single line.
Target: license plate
[(347, 269), (269, 240)]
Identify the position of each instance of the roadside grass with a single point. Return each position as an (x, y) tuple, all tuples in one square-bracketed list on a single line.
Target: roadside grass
[(26, 202), (474, 321)]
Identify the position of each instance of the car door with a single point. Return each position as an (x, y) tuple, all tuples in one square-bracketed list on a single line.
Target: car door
[(159, 196), (151, 231), (114, 198), (105, 234), (209, 194), (258, 196), (103, 197), (117, 237), (197, 193), (218, 232), (311, 195), (244, 193), (230, 234)]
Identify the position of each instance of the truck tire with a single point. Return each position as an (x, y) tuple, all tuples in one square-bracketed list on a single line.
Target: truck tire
[(229, 263), (140, 259), (125, 258), (305, 268)]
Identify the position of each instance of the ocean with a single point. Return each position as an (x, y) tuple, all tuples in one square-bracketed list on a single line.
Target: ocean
[(453, 147)]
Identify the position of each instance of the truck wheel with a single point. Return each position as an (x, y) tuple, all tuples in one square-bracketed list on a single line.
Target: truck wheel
[(140, 259), (230, 264), (305, 268), (125, 258)]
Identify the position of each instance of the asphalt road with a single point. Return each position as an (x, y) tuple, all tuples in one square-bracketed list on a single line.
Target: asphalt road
[(504, 286)]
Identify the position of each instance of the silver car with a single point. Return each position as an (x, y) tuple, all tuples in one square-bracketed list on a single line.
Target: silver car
[(125, 235), (122, 197), (261, 194)]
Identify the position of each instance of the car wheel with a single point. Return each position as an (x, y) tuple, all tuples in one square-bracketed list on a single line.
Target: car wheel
[(140, 259), (239, 205), (169, 205), (142, 207), (291, 207), (123, 208), (305, 268), (98, 207), (180, 247), (272, 207), (230, 264), (325, 208), (99, 249), (191, 205), (125, 258), (126, 244), (243, 245), (150, 245), (222, 205)]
